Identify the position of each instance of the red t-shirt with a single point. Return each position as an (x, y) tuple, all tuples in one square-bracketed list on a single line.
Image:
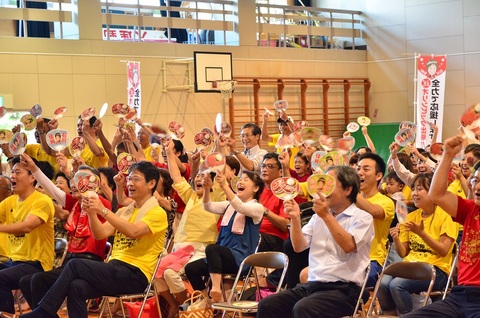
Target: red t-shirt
[(274, 205), (468, 214), (80, 236)]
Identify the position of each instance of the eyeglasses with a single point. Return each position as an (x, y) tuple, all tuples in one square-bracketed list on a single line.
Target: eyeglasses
[(134, 179), (269, 166), (245, 135)]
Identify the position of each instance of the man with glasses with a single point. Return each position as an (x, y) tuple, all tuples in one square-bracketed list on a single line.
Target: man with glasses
[(139, 231), (252, 155), (27, 219), (274, 228)]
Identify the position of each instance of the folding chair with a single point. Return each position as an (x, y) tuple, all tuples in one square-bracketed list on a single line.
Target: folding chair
[(359, 305), (453, 273), (61, 248), (276, 260), (150, 291), (407, 270)]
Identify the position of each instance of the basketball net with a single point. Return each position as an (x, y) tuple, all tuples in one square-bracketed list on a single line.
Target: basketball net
[(226, 88)]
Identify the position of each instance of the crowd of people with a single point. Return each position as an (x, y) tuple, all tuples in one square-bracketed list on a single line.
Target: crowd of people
[(219, 218)]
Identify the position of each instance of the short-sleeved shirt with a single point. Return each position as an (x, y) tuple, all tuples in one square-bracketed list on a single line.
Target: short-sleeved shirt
[(468, 214), (4, 244), (328, 262), (38, 244), (438, 224), (378, 251), (92, 160), (142, 252), (196, 225), (274, 205), (36, 151)]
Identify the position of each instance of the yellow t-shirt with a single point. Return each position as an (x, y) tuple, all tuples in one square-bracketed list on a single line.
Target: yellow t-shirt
[(294, 150), (196, 225), (378, 250), (142, 252), (36, 151), (456, 188), (4, 245), (147, 152), (38, 244), (437, 224), (92, 160)]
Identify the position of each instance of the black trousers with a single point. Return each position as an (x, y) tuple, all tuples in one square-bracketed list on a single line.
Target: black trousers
[(9, 280), (311, 300), (220, 260), (270, 243), (84, 279), (35, 286)]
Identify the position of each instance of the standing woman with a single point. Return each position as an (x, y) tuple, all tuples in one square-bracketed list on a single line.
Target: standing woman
[(239, 231), (426, 236)]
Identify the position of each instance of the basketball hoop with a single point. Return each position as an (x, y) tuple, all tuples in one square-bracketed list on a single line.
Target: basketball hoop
[(226, 88)]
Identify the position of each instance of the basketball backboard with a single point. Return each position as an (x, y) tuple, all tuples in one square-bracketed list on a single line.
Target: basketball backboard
[(209, 68)]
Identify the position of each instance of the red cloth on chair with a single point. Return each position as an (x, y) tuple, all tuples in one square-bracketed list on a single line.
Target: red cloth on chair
[(175, 260)]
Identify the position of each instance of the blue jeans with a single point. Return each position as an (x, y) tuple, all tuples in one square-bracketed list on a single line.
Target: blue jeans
[(395, 292), (375, 270), (462, 302)]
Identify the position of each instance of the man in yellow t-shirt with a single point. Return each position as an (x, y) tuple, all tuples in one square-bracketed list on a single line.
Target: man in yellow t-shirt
[(139, 231), (5, 191), (27, 219), (371, 168)]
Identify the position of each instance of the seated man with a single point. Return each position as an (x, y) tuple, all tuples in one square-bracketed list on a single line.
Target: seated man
[(339, 236), (139, 231), (27, 219), (81, 243)]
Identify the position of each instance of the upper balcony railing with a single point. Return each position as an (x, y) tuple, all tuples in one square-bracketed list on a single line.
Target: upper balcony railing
[(295, 26), (194, 22)]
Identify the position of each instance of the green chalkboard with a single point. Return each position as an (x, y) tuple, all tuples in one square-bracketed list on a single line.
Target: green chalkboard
[(382, 136)]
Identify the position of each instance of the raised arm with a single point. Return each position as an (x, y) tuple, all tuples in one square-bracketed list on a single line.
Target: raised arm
[(438, 189), (368, 140)]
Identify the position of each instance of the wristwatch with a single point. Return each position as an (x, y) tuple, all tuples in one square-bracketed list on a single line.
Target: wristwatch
[(105, 212), (265, 213)]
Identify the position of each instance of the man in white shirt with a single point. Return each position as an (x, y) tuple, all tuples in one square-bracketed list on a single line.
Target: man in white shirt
[(339, 237), (251, 156)]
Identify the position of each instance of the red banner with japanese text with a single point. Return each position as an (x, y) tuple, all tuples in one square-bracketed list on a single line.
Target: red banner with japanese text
[(431, 71), (134, 86)]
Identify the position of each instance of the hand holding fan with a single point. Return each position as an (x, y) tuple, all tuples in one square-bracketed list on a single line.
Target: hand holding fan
[(103, 110), (177, 129), (202, 140), (405, 137), (76, 146), (87, 113), (120, 110), (353, 127), (17, 144), (87, 183), (363, 121), (28, 121), (5, 136), (299, 125), (59, 112), (125, 161), (332, 158), (285, 188), (345, 145), (320, 182), (215, 162), (280, 105), (57, 139), (401, 210), (226, 129), (36, 111)]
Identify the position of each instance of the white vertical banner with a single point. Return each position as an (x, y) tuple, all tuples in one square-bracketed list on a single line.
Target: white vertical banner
[(431, 72), (134, 86)]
